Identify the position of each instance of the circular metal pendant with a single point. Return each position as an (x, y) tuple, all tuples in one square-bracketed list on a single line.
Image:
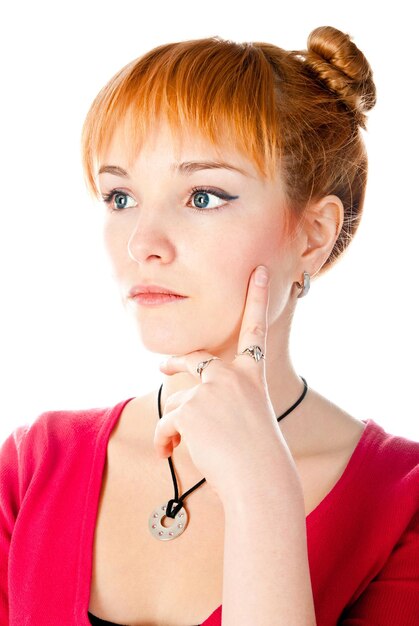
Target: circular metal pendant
[(164, 533)]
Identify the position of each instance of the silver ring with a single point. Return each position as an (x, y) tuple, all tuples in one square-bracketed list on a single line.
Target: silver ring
[(254, 351), (201, 366)]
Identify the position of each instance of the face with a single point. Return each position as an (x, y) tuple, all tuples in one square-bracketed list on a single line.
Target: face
[(197, 230)]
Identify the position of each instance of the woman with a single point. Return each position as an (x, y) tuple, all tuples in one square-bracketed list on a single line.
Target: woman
[(231, 175)]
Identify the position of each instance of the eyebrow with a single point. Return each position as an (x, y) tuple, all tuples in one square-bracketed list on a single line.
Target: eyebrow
[(113, 169), (187, 168)]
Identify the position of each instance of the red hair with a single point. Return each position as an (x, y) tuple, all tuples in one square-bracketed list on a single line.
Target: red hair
[(298, 110)]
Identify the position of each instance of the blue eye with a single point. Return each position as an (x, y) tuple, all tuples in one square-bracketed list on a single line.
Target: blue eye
[(119, 200), (203, 198)]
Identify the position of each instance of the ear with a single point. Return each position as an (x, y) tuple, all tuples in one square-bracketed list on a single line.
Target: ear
[(322, 224)]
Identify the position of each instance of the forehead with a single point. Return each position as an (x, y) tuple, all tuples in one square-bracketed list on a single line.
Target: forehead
[(163, 143)]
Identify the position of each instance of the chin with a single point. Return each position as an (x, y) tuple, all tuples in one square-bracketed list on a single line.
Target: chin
[(166, 342)]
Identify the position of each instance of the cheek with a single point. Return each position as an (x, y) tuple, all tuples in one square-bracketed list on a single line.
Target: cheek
[(229, 264), (114, 235), (115, 245), (234, 261)]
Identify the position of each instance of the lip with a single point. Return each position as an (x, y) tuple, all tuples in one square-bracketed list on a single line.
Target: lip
[(137, 290), (153, 299)]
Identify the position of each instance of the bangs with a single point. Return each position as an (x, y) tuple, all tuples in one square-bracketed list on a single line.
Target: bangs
[(222, 90)]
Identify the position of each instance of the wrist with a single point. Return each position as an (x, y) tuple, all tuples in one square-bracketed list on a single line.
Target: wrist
[(271, 487)]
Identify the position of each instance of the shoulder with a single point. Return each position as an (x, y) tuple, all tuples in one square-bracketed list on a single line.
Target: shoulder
[(57, 446), (394, 454), (335, 432), (56, 431), (387, 467), (378, 470), (386, 526)]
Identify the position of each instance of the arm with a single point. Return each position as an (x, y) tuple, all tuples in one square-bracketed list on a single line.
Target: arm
[(9, 506), (266, 571), (392, 597)]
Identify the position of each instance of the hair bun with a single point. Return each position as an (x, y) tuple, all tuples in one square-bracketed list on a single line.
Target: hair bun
[(337, 62)]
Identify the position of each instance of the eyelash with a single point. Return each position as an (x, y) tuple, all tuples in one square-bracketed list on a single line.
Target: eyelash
[(107, 198)]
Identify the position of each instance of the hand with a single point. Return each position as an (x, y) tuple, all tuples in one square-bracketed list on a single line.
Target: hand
[(227, 422)]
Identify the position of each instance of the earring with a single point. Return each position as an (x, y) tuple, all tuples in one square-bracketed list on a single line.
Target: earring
[(305, 286)]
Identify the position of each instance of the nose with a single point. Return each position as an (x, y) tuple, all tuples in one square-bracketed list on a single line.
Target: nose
[(152, 238)]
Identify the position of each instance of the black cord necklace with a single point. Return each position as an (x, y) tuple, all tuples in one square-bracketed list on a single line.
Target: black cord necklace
[(174, 508)]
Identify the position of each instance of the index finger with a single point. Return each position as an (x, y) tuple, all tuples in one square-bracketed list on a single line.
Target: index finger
[(254, 325)]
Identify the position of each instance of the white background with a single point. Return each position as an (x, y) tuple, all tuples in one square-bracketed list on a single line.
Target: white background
[(65, 340)]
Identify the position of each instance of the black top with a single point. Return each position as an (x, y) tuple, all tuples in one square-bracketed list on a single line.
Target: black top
[(102, 622)]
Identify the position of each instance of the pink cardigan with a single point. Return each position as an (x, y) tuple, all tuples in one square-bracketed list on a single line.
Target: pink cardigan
[(363, 538)]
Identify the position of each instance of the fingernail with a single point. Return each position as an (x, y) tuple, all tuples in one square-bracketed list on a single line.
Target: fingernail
[(261, 276)]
